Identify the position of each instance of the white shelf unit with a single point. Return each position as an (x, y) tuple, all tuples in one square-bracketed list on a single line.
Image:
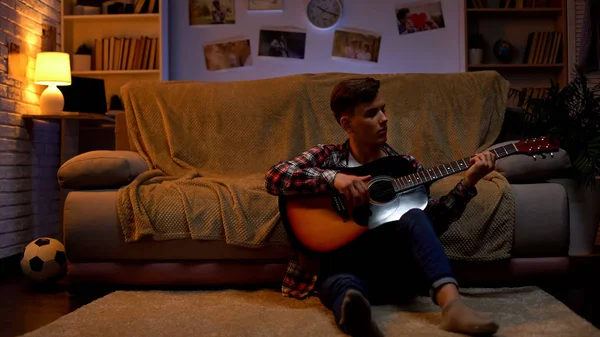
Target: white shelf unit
[(85, 29)]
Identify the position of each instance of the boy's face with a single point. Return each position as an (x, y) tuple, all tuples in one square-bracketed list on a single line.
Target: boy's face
[(368, 125)]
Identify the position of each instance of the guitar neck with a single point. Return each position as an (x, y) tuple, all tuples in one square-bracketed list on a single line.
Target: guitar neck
[(438, 172)]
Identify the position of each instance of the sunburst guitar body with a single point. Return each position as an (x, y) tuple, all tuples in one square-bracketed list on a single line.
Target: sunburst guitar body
[(324, 223)]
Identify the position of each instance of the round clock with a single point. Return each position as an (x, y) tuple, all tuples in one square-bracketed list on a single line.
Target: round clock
[(324, 13)]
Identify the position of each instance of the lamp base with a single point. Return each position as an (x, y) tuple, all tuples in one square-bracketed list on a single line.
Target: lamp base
[(51, 101)]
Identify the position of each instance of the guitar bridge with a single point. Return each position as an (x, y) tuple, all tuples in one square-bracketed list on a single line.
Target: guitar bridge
[(340, 207)]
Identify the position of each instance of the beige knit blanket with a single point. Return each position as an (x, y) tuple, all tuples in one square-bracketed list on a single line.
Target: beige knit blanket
[(210, 145)]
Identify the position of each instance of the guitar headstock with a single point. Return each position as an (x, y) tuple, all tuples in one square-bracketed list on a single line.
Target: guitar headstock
[(537, 145)]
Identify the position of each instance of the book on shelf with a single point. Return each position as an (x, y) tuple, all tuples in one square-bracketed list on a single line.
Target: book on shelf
[(146, 6), (475, 4), (543, 48), (126, 53), (514, 4)]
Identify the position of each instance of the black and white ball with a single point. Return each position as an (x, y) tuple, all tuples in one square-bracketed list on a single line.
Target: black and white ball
[(44, 260)]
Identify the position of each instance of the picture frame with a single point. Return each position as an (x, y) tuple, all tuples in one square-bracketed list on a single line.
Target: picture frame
[(282, 43), (265, 5), (211, 12), (419, 17), (225, 55), (355, 44)]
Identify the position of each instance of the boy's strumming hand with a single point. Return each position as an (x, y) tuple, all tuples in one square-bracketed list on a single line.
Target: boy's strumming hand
[(353, 188)]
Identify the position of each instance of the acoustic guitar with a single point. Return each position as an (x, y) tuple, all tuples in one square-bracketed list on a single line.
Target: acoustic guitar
[(324, 222)]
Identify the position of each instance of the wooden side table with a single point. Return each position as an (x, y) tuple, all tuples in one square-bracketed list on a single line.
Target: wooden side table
[(69, 129), (69, 138)]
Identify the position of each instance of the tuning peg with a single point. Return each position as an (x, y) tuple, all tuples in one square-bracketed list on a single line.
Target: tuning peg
[(551, 154), (534, 157)]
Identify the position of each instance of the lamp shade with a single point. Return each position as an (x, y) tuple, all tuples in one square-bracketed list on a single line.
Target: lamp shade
[(52, 68)]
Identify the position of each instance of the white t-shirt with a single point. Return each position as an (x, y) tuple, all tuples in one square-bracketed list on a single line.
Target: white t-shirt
[(352, 161)]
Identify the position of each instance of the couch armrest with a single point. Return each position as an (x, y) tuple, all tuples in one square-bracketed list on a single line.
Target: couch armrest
[(584, 216), (522, 168), (101, 169)]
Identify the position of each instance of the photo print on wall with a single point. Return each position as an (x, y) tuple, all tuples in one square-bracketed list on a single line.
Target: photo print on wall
[(227, 55), (48, 37), (211, 12), (17, 59), (282, 43), (350, 44), (265, 5), (419, 17)]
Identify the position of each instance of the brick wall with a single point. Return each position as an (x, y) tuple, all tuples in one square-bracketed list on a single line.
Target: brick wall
[(29, 194)]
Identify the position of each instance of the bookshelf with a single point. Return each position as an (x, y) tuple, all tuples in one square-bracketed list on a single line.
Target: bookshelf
[(125, 47), (537, 30)]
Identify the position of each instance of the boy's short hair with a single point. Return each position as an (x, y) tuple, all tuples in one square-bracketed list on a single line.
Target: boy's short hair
[(401, 14), (347, 94)]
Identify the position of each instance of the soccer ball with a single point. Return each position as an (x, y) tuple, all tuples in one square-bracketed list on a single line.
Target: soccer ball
[(44, 260)]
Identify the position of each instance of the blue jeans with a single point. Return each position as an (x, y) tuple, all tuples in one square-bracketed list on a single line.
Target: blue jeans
[(389, 264)]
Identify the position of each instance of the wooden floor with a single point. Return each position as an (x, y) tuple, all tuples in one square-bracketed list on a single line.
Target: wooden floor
[(26, 307)]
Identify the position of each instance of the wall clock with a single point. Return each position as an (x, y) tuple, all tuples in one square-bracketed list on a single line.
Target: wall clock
[(324, 13)]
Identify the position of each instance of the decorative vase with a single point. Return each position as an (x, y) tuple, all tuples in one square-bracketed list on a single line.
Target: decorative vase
[(475, 56), (82, 62)]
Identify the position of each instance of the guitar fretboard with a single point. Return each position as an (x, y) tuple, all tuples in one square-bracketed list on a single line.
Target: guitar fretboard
[(441, 171)]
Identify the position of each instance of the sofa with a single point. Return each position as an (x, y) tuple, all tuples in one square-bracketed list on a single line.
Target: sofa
[(554, 219)]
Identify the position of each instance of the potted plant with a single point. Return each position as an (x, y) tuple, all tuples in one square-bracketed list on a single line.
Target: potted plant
[(476, 44), (572, 115), (82, 60)]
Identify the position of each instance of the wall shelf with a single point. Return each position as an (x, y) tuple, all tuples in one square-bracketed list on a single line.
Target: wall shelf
[(112, 17), (125, 47), (515, 12), (116, 72), (538, 37), (514, 65)]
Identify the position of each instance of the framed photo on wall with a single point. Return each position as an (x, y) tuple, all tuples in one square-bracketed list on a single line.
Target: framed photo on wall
[(265, 5), (48, 37), (419, 17), (282, 43), (356, 45), (211, 12), (225, 55), (17, 59)]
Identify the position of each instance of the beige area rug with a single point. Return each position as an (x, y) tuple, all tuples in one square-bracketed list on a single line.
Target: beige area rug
[(526, 311)]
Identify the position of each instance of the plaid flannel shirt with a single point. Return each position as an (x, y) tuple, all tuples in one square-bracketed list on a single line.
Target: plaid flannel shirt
[(314, 171)]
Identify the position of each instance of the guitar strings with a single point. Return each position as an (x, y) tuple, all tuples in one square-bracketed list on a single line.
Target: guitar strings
[(382, 190)]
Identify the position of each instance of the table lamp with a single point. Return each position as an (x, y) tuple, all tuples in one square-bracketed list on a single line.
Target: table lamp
[(52, 69)]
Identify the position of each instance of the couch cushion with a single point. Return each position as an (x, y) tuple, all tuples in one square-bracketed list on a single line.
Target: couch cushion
[(541, 220), (92, 233), (101, 169), (584, 216)]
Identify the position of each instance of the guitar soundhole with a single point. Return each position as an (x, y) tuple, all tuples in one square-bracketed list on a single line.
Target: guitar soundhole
[(382, 191)]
